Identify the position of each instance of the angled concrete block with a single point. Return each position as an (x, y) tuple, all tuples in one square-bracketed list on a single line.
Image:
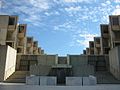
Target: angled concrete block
[(47, 81), (91, 80), (51, 80), (86, 81), (32, 80), (73, 81)]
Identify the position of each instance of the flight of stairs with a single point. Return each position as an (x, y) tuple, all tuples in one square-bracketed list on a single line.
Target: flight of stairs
[(18, 77)]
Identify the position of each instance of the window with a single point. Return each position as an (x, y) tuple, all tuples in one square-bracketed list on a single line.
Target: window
[(115, 21), (11, 21), (9, 43), (21, 29), (19, 50), (91, 44)]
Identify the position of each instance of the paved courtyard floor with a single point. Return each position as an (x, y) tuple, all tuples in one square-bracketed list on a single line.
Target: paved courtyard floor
[(13, 86)]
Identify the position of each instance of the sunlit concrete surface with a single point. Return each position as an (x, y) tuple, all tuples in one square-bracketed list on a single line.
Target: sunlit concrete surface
[(36, 87)]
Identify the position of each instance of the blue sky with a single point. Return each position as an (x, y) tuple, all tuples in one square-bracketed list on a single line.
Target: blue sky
[(62, 26)]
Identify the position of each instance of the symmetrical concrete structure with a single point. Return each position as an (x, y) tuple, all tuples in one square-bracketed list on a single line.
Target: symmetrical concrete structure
[(31, 60)]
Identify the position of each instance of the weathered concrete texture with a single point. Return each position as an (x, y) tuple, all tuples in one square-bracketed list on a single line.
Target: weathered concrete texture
[(83, 70), (47, 81), (7, 62), (114, 60), (91, 80), (41, 80), (77, 60), (73, 81), (40, 70), (32, 80), (46, 59), (36, 87)]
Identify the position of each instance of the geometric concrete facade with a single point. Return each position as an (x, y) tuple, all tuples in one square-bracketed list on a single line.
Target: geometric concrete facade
[(8, 30), (7, 62)]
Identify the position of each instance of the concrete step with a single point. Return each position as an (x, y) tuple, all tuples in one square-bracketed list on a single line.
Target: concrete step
[(18, 77), (15, 81), (105, 77)]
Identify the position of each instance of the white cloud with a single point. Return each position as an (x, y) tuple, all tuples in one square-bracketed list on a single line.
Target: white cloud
[(116, 10), (52, 13), (70, 9), (82, 39), (117, 1), (80, 1), (40, 4)]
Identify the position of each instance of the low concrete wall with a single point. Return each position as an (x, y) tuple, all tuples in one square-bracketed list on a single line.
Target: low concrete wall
[(41, 80), (7, 61)]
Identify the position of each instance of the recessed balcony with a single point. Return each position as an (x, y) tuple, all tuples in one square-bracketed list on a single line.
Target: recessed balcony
[(105, 35), (115, 28), (21, 35), (29, 44), (35, 48), (97, 45), (11, 27)]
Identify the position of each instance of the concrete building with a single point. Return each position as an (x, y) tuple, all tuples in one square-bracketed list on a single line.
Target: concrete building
[(32, 61), (91, 47), (42, 51), (97, 45), (84, 52), (87, 51), (39, 50), (35, 47), (8, 30), (29, 45), (114, 26), (21, 39), (105, 38)]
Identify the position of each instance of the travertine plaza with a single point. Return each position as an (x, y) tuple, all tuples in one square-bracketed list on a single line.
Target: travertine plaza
[(23, 61)]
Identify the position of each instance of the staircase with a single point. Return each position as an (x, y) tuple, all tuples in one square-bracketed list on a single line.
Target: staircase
[(18, 77)]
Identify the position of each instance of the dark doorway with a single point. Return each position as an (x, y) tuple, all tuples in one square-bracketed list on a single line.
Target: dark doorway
[(61, 74)]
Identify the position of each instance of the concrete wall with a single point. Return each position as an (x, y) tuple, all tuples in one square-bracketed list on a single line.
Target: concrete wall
[(3, 28), (114, 60), (80, 66), (46, 59), (83, 70), (77, 60), (40, 70), (7, 61)]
